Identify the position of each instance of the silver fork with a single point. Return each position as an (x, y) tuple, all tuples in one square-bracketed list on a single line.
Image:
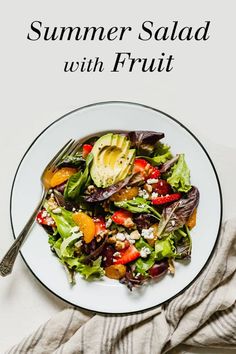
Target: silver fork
[(6, 265)]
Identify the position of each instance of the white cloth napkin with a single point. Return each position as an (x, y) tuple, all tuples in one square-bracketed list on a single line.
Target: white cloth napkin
[(204, 315)]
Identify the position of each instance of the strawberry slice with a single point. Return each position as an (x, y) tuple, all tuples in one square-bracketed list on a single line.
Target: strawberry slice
[(123, 217), (44, 218), (166, 199), (145, 169), (86, 150), (162, 187), (128, 255), (154, 173), (141, 166), (100, 225)]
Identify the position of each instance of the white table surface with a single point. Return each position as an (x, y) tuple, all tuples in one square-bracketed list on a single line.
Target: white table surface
[(35, 92)]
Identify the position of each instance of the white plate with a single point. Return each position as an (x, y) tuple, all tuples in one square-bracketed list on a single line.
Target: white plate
[(108, 295)]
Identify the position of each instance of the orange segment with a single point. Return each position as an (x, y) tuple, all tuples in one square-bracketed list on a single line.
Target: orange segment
[(125, 194), (86, 225), (62, 175), (47, 178), (115, 271), (192, 219)]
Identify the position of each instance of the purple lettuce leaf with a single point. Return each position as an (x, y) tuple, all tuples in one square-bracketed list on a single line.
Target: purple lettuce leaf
[(101, 194), (176, 215), (144, 141)]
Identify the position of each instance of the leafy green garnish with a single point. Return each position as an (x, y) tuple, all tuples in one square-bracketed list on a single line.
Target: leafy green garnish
[(180, 176), (177, 245), (72, 160), (144, 264), (67, 246), (138, 205), (77, 181), (161, 155), (165, 248), (64, 221), (91, 271)]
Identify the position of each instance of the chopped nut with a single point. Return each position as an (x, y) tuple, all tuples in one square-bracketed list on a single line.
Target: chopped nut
[(148, 187), (103, 233), (171, 267), (56, 210), (52, 202), (99, 238), (112, 232), (135, 235), (106, 205), (120, 245), (116, 254), (128, 223), (111, 239), (78, 244), (90, 189)]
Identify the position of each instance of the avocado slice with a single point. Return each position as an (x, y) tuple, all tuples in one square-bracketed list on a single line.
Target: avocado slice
[(112, 159)]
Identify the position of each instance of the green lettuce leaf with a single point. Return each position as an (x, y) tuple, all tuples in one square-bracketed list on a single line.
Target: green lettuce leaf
[(138, 205), (180, 176), (78, 181), (64, 221), (165, 248), (177, 245), (67, 246), (91, 271), (161, 155), (144, 264)]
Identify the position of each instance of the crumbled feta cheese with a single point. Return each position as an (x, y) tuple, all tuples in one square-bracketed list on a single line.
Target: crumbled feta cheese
[(120, 236), (50, 222), (75, 229), (135, 235), (142, 193), (144, 252), (148, 233), (173, 222), (44, 214), (117, 254), (108, 222), (152, 180), (73, 209), (78, 244), (56, 211), (154, 195)]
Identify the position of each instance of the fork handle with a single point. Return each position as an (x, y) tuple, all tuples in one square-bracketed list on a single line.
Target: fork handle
[(7, 263)]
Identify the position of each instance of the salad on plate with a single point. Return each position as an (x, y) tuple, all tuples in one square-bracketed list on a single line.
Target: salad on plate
[(122, 207)]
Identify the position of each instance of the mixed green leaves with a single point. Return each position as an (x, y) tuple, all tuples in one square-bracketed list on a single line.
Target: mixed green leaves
[(144, 264), (78, 181), (180, 176), (162, 153), (138, 205), (72, 161), (104, 193), (165, 248), (64, 221), (145, 141), (176, 215), (91, 271)]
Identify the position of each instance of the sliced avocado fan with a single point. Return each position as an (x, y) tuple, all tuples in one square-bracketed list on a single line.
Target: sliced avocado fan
[(112, 159)]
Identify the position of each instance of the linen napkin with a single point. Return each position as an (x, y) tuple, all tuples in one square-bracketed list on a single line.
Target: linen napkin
[(204, 315)]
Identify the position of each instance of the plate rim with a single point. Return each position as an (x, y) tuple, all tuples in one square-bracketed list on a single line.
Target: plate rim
[(167, 116)]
